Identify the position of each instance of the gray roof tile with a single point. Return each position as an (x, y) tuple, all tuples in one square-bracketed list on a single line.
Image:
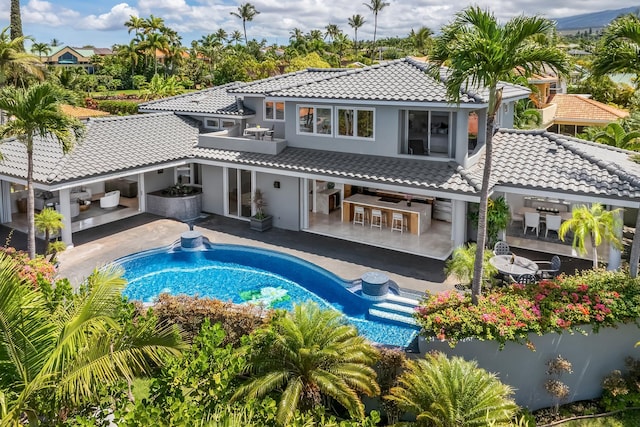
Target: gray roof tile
[(419, 174), (110, 145), (545, 161), (215, 100)]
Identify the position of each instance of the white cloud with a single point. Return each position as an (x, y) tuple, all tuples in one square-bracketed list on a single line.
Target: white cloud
[(112, 20)]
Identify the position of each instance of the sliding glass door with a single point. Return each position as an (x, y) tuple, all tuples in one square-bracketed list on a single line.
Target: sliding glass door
[(239, 193)]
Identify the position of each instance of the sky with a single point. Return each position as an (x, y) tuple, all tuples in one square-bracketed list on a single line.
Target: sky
[(100, 23)]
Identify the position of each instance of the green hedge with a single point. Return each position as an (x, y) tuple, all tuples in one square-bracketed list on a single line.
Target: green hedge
[(117, 107)]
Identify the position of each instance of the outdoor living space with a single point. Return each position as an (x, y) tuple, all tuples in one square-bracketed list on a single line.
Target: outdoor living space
[(535, 223)]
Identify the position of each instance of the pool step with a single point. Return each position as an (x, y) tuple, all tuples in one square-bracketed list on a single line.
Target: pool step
[(401, 314), (400, 300)]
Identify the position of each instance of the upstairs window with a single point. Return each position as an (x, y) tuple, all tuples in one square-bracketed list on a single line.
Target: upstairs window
[(274, 110), (315, 120), (355, 122)]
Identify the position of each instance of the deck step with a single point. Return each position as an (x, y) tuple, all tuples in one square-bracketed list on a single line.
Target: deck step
[(392, 317)]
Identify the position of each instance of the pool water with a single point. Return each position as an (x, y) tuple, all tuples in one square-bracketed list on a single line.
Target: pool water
[(245, 275)]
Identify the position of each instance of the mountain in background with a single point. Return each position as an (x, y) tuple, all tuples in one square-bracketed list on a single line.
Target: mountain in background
[(592, 20)]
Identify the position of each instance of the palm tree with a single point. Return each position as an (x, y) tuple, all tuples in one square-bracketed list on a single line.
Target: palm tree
[(462, 261), (421, 39), (55, 42), (153, 43), (135, 24), (356, 21), (452, 393), (235, 37), (70, 352), (35, 112), (313, 355), (152, 24), (482, 52), (618, 52), (331, 31), (376, 7), (615, 135), (40, 48), (618, 47), (246, 12), (48, 221), (594, 223), (16, 23), (129, 53), (14, 62)]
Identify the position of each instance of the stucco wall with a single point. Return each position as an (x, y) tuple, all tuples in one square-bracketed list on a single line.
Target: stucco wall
[(154, 181), (593, 357), (283, 203)]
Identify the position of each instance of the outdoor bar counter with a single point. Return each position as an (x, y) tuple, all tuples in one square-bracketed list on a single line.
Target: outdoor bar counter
[(417, 216)]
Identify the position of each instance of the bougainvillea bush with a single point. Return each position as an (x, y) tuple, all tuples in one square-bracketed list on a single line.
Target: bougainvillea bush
[(31, 269), (568, 303)]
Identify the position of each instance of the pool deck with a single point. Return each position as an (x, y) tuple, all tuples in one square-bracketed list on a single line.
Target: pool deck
[(101, 245)]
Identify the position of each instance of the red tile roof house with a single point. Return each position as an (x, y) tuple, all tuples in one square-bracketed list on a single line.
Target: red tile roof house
[(376, 137)]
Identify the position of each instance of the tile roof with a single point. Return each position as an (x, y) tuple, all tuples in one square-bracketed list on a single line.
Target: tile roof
[(400, 80), (110, 144), (545, 161), (418, 174), (577, 108), (215, 100)]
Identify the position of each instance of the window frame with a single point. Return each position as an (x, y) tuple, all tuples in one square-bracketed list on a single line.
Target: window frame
[(314, 131), (274, 117), (356, 110), (208, 126)]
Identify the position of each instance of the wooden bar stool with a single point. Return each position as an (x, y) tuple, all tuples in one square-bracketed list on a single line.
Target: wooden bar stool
[(358, 215), (397, 222), (377, 218)]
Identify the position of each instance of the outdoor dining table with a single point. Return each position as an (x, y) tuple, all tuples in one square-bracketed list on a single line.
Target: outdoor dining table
[(520, 265), (564, 215), (258, 131)]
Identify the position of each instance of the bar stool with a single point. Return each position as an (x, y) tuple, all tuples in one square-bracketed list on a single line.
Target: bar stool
[(377, 218), (397, 222), (358, 215)]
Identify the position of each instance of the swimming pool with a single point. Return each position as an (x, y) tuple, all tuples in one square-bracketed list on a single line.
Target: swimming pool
[(247, 275)]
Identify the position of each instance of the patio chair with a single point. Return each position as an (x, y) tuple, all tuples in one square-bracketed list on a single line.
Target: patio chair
[(553, 224), (516, 217), (532, 220), (110, 200), (526, 279), (501, 248), (549, 269)]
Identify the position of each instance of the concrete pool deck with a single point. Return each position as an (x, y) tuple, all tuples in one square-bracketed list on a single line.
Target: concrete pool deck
[(101, 245)]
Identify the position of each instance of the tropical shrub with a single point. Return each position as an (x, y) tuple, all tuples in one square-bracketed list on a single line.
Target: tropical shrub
[(622, 389), (594, 297), (190, 313), (452, 393), (34, 270), (117, 107), (310, 357)]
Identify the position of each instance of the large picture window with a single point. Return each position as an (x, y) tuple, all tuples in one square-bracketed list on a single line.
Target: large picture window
[(315, 120), (355, 122), (273, 110)]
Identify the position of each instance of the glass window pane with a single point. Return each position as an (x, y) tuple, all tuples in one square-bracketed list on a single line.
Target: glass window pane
[(323, 125), (365, 124), (279, 110), (268, 110), (306, 120), (345, 122)]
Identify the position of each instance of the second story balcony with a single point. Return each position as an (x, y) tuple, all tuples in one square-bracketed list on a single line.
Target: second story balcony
[(259, 141)]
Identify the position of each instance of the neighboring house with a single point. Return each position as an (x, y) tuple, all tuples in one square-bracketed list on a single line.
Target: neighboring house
[(572, 113), (67, 56), (382, 138)]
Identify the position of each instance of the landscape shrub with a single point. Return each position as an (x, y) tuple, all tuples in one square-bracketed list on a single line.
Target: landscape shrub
[(118, 107), (622, 389), (594, 297), (33, 270), (191, 312)]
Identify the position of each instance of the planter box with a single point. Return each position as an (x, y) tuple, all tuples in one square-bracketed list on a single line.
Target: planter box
[(593, 357), (261, 224)]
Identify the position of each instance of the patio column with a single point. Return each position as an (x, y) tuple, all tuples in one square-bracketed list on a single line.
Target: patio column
[(65, 209), (142, 199), (614, 254), (5, 201), (458, 222)]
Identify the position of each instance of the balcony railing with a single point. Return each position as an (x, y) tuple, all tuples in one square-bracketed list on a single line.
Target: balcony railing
[(224, 140)]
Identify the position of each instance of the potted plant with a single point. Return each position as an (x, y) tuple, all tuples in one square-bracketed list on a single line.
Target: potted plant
[(260, 221)]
